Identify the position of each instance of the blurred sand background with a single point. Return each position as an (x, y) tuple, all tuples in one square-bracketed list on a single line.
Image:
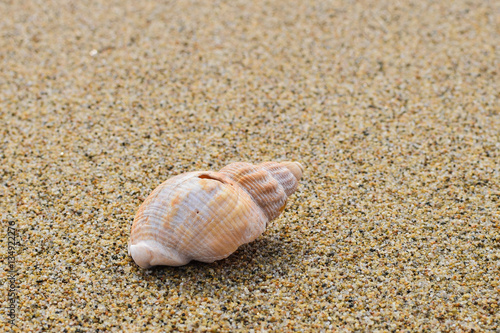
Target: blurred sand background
[(392, 106)]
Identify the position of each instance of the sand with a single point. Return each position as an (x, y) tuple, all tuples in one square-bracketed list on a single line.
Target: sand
[(392, 107)]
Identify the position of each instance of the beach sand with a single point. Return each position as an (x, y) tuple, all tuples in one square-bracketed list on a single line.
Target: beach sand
[(392, 107)]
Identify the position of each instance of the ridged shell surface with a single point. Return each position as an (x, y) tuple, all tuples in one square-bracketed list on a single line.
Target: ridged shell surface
[(207, 215)]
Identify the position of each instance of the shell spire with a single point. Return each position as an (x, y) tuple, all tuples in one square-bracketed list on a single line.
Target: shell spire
[(269, 184), (207, 215)]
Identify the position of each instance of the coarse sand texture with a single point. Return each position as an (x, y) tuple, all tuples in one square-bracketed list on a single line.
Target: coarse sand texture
[(392, 107)]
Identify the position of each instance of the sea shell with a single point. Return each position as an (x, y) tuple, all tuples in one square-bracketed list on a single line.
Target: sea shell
[(207, 215)]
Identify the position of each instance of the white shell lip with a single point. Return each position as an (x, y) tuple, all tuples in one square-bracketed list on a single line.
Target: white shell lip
[(149, 253)]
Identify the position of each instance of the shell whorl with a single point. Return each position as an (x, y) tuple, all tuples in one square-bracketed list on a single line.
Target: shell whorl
[(269, 183), (207, 215)]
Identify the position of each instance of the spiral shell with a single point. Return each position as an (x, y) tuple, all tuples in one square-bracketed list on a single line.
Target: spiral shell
[(207, 215)]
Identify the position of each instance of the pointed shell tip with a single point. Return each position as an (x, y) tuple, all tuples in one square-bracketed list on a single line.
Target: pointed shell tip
[(295, 167)]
